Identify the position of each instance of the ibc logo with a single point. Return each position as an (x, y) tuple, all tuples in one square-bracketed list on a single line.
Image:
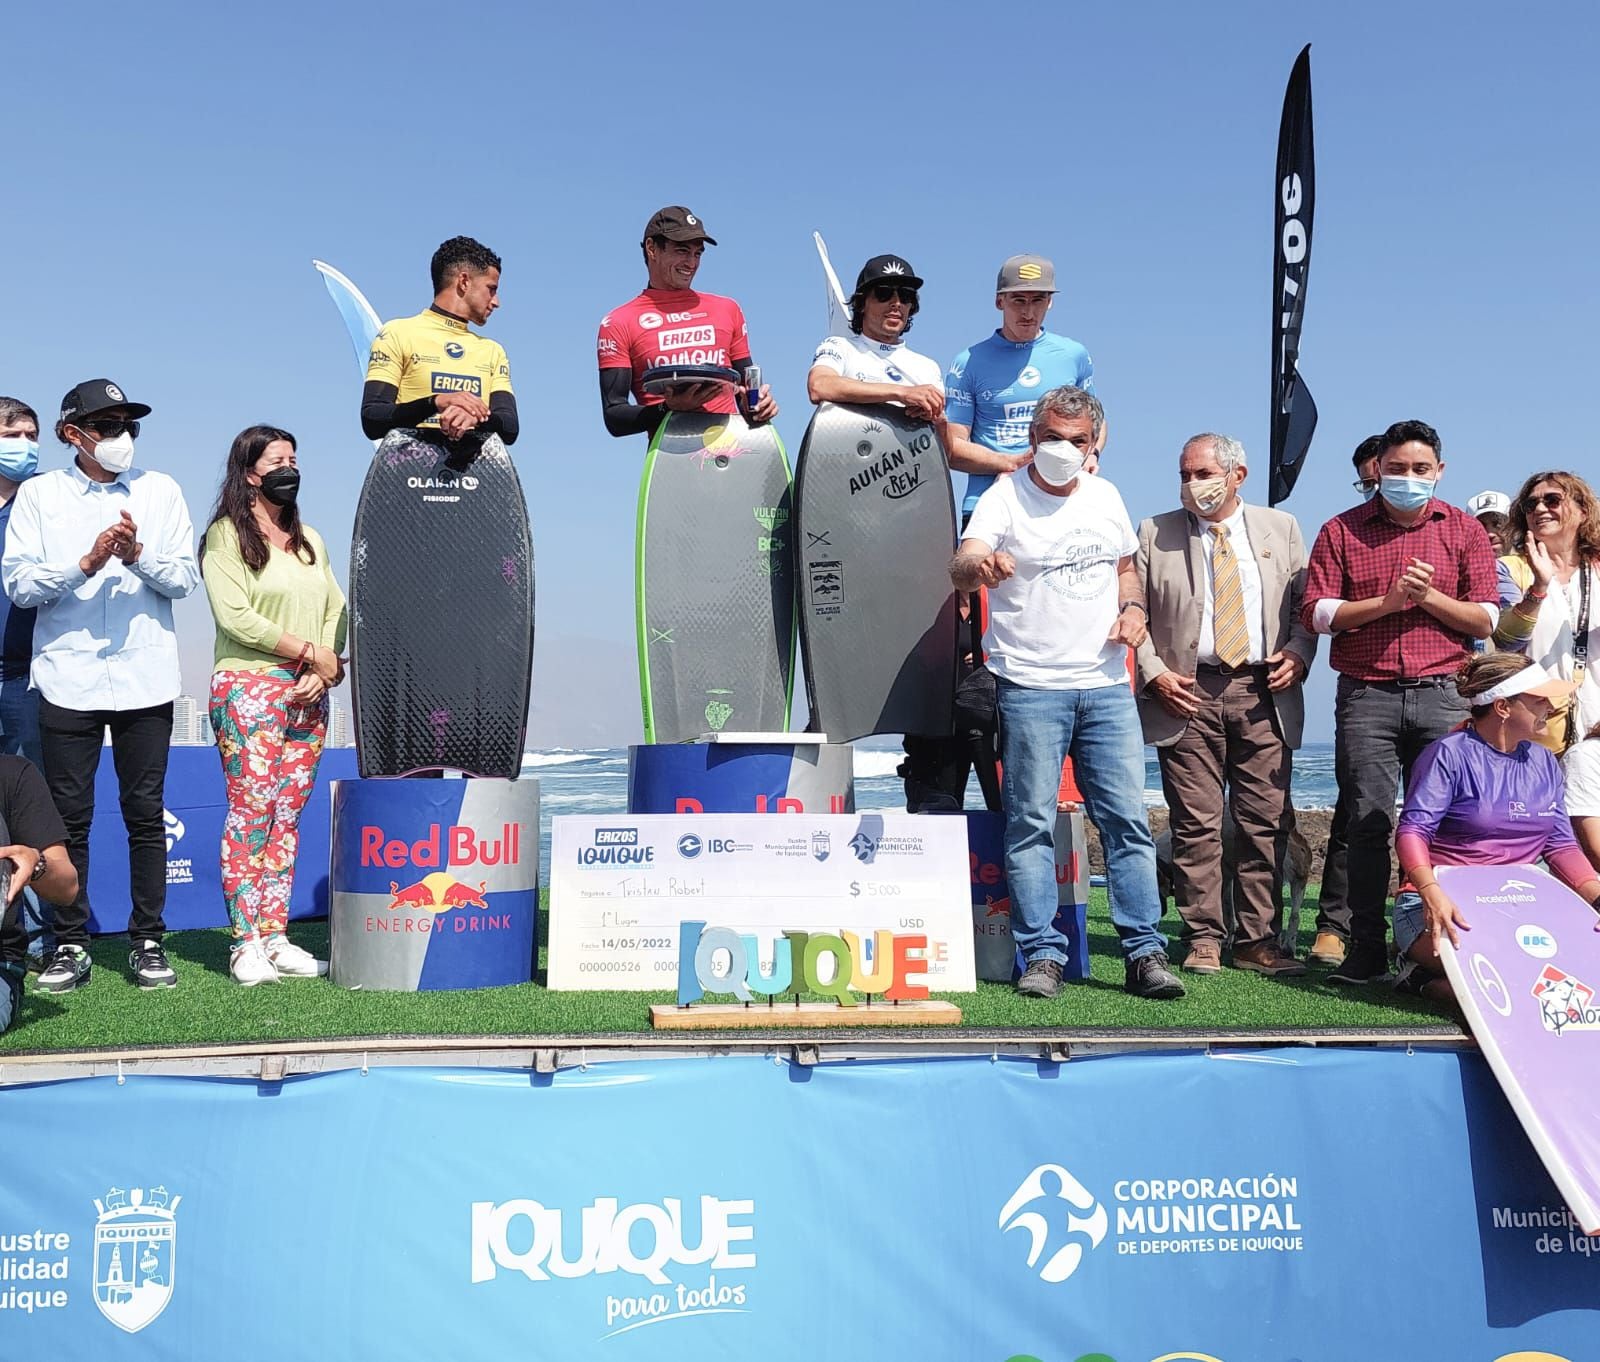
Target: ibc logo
[(1536, 941)]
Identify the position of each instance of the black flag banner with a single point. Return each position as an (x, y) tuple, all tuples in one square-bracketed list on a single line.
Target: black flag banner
[(1294, 414)]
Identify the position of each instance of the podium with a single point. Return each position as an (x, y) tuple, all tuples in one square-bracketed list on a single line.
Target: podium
[(434, 884), (744, 773), (997, 956)]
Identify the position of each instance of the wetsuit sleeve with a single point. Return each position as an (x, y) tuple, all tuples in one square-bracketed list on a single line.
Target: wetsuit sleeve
[(622, 417), (500, 380), (503, 416), (739, 344), (380, 413), (958, 403)]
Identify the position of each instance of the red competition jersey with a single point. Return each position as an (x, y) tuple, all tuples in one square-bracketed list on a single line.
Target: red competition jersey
[(673, 326)]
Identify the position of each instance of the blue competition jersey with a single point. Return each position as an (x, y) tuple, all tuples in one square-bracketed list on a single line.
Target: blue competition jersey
[(993, 388)]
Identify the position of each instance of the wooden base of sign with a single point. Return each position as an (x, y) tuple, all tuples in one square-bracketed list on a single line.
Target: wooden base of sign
[(737, 1016)]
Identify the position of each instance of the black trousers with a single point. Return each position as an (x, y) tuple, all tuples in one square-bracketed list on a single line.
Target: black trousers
[(71, 740)]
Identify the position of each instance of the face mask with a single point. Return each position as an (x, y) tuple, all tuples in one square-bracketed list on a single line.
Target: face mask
[(115, 453), (1058, 461), (19, 457), (281, 486), (1205, 495), (1407, 494)]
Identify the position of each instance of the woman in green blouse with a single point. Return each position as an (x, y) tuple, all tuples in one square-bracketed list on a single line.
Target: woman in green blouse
[(280, 628)]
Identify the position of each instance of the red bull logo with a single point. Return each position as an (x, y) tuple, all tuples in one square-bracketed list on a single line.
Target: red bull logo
[(437, 893), (442, 848)]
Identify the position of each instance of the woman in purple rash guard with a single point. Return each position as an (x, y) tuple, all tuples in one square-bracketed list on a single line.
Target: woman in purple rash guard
[(1487, 794)]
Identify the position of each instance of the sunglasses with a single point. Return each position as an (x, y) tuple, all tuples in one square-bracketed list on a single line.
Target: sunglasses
[(109, 427), (1549, 500), (886, 292)]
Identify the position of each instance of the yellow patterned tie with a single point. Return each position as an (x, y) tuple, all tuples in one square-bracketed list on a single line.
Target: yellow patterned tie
[(1230, 637)]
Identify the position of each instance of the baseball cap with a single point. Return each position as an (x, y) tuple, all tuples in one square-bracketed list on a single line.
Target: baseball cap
[(677, 223), (1026, 274), (1489, 501), (97, 395), (882, 269)]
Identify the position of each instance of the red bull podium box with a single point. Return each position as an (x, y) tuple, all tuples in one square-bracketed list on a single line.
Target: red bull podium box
[(434, 883), (994, 949), (743, 773)]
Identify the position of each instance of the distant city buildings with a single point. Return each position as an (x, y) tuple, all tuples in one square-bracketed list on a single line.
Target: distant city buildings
[(339, 730)]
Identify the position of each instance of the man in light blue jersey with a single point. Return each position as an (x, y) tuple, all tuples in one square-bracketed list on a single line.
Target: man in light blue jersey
[(993, 387)]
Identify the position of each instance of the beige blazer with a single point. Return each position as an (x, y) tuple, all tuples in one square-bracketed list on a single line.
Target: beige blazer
[(1173, 574)]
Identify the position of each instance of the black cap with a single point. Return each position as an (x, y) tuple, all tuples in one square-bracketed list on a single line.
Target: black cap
[(677, 223), (98, 395), (885, 269)]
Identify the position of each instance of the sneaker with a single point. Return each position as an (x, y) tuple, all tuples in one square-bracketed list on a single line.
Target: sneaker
[(12, 973), (1268, 958), (1042, 979), (249, 965), (68, 968), (1364, 964), (1418, 981), (1151, 976), (149, 965), (1204, 957), (293, 962), (1328, 949)]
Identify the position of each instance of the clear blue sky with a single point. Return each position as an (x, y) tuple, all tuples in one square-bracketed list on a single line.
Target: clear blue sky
[(172, 169)]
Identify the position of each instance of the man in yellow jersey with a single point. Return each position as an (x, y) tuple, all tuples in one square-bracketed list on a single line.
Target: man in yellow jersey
[(429, 372)]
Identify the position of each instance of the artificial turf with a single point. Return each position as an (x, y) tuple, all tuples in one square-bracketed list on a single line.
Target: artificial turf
[(208, 1008)]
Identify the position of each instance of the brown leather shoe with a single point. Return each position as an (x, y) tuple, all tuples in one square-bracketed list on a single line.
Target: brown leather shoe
[(1267, 958), (1328, 949), (1204, 957)]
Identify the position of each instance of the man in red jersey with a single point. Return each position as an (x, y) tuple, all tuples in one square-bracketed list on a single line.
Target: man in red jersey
[(672, 323)]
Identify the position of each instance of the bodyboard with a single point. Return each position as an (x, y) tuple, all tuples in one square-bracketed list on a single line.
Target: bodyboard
[(441, 609), (714, 579), (876, 526), (1527, 975)]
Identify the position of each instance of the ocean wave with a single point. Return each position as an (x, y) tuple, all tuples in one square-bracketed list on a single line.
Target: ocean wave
[(565, 756), (875, 765)]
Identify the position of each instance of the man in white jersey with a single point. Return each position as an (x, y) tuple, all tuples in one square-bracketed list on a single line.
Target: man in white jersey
[(870, 364), (873, 363), (1056, 550)]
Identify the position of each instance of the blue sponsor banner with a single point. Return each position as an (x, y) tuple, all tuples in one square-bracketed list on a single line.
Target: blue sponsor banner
[(196, 805), (1274, 1206)]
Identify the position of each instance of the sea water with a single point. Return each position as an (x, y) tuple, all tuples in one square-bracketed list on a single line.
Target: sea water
[(595, 781)]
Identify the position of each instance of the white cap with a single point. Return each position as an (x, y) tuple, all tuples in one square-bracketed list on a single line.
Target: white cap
[(1489, 501)]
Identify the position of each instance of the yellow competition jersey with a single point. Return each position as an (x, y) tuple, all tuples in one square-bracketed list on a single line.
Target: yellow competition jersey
[(432, 353)]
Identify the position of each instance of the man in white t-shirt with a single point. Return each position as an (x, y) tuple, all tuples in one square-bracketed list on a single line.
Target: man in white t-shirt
[(873, 363), (1056, 550)]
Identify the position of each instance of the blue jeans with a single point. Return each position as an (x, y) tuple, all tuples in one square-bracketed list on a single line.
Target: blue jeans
[(1100, 730), (19, 737)]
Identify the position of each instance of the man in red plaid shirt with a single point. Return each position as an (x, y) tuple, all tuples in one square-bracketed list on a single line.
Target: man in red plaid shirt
[(1404, 583)]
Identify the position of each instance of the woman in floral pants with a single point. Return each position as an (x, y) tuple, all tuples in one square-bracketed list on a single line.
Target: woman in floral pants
[(280, 620)]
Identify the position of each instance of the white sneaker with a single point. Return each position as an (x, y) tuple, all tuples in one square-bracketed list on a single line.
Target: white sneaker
[(293, 962), (249, 964)]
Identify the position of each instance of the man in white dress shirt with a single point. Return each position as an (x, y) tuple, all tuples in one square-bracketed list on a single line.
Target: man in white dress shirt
[(101, 549)]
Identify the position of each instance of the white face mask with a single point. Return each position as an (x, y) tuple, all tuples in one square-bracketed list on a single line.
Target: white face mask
[(1058, 461), (114, 453)]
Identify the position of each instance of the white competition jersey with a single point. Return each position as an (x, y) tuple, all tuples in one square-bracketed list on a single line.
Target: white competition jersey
[(870, 361)]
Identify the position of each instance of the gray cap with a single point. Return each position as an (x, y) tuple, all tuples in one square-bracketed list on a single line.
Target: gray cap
[(1026, 274)]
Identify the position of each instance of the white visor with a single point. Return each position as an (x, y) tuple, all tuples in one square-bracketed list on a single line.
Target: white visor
[(1529, 681)]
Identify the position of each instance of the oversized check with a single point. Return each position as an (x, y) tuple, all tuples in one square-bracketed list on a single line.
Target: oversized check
[(620, 886)]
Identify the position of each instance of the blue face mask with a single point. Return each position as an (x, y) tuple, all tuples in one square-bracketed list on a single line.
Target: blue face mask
[(19, 457), (1407, 494)]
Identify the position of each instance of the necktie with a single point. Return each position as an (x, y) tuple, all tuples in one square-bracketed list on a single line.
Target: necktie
[(1230, 637)]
